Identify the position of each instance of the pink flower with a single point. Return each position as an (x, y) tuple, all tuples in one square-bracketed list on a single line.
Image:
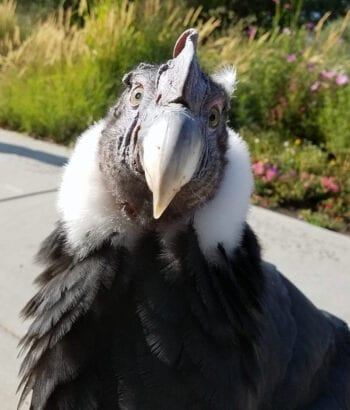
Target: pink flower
[(328, 205), (328, 75), (271, 173), (307, 185), (287, 6), (315, 86), (342, 79), (293, 173), (258, 168), (304, 175), (276, 1), (309, 25), (251, 31), (329, 185), (291, 58)]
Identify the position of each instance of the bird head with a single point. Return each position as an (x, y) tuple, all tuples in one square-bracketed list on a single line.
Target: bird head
[(162, 150)]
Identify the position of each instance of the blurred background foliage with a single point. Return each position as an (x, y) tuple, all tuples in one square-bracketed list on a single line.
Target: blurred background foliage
[(61, 64)]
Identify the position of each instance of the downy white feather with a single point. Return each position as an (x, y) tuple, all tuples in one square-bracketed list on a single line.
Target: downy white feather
[(86, 208), (89, 213), (226, 77), (222, 219)]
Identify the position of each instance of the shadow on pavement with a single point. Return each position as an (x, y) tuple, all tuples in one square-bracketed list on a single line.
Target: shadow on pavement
[(42, 156)]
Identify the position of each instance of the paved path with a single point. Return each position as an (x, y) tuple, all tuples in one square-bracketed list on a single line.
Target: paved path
[(316, 260)]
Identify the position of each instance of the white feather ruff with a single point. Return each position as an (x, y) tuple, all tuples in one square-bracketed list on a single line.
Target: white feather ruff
[(226, 77), (222, 219), (85, 206), (89, 213)]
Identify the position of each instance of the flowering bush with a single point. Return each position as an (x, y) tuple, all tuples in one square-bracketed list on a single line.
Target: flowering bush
[(301, 177), (293, 95), (295, 81), (291, 187), (315, 105)]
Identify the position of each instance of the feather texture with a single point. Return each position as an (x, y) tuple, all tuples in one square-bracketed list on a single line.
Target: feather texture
[(159, 326), (61, 341), (180, 312), (226, 77), (221, 220)]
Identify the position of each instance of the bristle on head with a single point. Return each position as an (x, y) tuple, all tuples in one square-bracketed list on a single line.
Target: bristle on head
[(226, 77)]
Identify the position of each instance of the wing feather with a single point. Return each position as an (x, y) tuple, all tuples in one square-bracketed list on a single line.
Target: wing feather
[(60, 343)]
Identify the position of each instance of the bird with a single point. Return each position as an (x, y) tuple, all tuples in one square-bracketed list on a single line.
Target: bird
[(154, 293)]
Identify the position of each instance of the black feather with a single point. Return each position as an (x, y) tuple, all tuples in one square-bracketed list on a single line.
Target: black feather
[(159, 327), (61, 341)]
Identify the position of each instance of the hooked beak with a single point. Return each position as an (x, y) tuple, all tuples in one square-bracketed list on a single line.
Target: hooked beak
[(172, 149)]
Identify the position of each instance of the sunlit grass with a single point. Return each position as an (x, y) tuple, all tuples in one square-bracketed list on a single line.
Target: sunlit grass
[(64, 71), (9, 30), (64, 76), (277, 73)]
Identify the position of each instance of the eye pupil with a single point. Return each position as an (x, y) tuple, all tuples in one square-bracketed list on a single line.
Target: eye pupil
[(136, 96), (214, 117)]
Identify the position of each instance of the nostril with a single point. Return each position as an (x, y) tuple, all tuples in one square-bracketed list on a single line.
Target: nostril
[(181, 101), (136, 134), (137, 160), (159, 97)]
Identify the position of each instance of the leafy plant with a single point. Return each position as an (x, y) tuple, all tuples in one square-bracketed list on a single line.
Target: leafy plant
[(64, 75), (59, 72), (282, 80), (302, 177)]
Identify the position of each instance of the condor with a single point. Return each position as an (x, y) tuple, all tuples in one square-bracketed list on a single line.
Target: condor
[(154, 294)]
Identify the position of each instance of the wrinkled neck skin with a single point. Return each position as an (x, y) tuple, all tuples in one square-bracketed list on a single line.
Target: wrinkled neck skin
[(90, 212)]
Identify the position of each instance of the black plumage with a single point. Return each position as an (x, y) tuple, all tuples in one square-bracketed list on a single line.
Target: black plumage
[(157, 323)]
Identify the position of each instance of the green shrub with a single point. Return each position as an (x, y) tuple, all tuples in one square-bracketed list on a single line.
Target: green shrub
[(301, 176), (42, 101), (64, 76), (282, 81), (332, 118)]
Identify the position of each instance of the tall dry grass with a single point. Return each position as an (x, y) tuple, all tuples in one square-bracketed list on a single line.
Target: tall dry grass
[(283, 81), (63, 75), (320, 47), (9, 30)]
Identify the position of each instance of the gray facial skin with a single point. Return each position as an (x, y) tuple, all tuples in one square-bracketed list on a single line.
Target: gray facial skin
[(162, 151)]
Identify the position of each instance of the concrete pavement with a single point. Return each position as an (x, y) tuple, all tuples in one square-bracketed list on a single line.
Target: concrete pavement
[(29, 176), (316, 260)]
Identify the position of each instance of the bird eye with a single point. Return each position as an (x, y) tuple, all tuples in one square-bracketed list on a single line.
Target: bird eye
[(214, 117), (136, 95)]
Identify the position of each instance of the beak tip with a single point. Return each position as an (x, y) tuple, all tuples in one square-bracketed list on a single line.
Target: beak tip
[(156, 215), (161, 203), (171, 154), (158, 211)]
